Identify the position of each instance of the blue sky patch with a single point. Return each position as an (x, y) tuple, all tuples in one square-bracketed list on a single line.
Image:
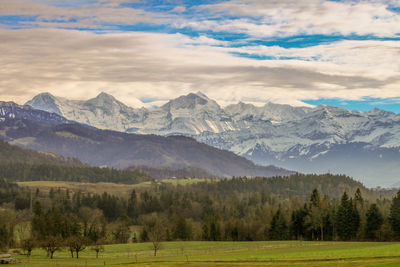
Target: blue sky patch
[(17, 20), (365, 104)]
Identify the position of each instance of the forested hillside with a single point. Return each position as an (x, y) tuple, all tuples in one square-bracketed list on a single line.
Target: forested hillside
[(45, 172), (11, 153), (338, 208)]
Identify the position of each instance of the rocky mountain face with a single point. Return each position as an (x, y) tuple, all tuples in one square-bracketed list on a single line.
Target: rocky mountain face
[(11, 110), (320, 139), (120, 150)]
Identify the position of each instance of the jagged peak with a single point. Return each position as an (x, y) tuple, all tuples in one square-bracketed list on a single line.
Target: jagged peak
[(9, 104), (46, 96), (194, 96), (378, 111), (44, 101), (104, 95), (101, 99), (190, 101)]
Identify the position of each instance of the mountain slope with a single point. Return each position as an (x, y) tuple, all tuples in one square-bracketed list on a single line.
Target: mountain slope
[(12, 154), (21, 164), (120, 150), (12, 110)]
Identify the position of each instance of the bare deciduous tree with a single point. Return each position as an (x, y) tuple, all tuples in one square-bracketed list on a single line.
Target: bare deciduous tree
[(51, 244), (156, 234), (98, 247), (76, 244), (28, 245)]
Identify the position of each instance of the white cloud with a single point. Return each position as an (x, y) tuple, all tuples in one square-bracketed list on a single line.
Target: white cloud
[(286, 18), (374, 59), (179, 9)]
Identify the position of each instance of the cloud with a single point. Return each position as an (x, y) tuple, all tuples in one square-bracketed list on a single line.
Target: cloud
[(369, 58), (78, 48), (136, 65), (288, 17), (179, 9), (99, 15), (256, 18)]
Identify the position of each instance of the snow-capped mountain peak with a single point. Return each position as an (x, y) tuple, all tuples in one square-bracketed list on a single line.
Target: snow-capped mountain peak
[(46, 102), (106, 102), (103, 97), (191, 101)]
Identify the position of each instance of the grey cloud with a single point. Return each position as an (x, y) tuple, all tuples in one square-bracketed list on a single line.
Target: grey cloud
[(138, 65), (90, 16)]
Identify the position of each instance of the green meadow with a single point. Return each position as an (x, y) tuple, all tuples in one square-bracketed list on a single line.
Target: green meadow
[(266, 253)]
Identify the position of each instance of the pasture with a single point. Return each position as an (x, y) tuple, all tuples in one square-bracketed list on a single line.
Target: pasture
[(266, 253), (99, 188)]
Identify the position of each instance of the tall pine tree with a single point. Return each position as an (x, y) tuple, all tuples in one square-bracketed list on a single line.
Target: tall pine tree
[(394, 217), (374, 222), (279, 228), (347, 219)]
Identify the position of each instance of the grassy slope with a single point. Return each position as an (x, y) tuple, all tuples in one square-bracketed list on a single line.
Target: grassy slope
[(273, 253)]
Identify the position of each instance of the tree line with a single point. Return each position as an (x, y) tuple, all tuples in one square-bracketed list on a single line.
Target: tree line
[(17, 171)]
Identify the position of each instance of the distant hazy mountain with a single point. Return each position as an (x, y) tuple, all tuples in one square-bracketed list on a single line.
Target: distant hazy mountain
[(121, 150), (320, 139)]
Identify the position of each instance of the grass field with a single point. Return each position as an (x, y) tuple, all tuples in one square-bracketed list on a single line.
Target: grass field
[(271, 253), (99, 188)]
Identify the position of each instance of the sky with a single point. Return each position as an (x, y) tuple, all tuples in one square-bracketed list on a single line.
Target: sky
[(343, 53)]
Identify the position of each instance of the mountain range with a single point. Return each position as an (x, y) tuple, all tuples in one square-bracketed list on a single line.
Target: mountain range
[(318, 139), (50, 132)]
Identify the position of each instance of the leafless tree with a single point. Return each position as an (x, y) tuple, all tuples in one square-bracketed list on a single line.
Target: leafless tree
[(156, 234)]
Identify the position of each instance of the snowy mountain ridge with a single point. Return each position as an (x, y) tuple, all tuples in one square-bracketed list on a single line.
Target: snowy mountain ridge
[(291, 137)]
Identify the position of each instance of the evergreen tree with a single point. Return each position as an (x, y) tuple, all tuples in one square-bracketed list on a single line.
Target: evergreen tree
[(374, 222), (315, 216), (182, 229), (215, 231), (358, 197), (205, 231), (347, 219), (315, 198), (132, 211), (298, 225), (394, 216), (278, 229)]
